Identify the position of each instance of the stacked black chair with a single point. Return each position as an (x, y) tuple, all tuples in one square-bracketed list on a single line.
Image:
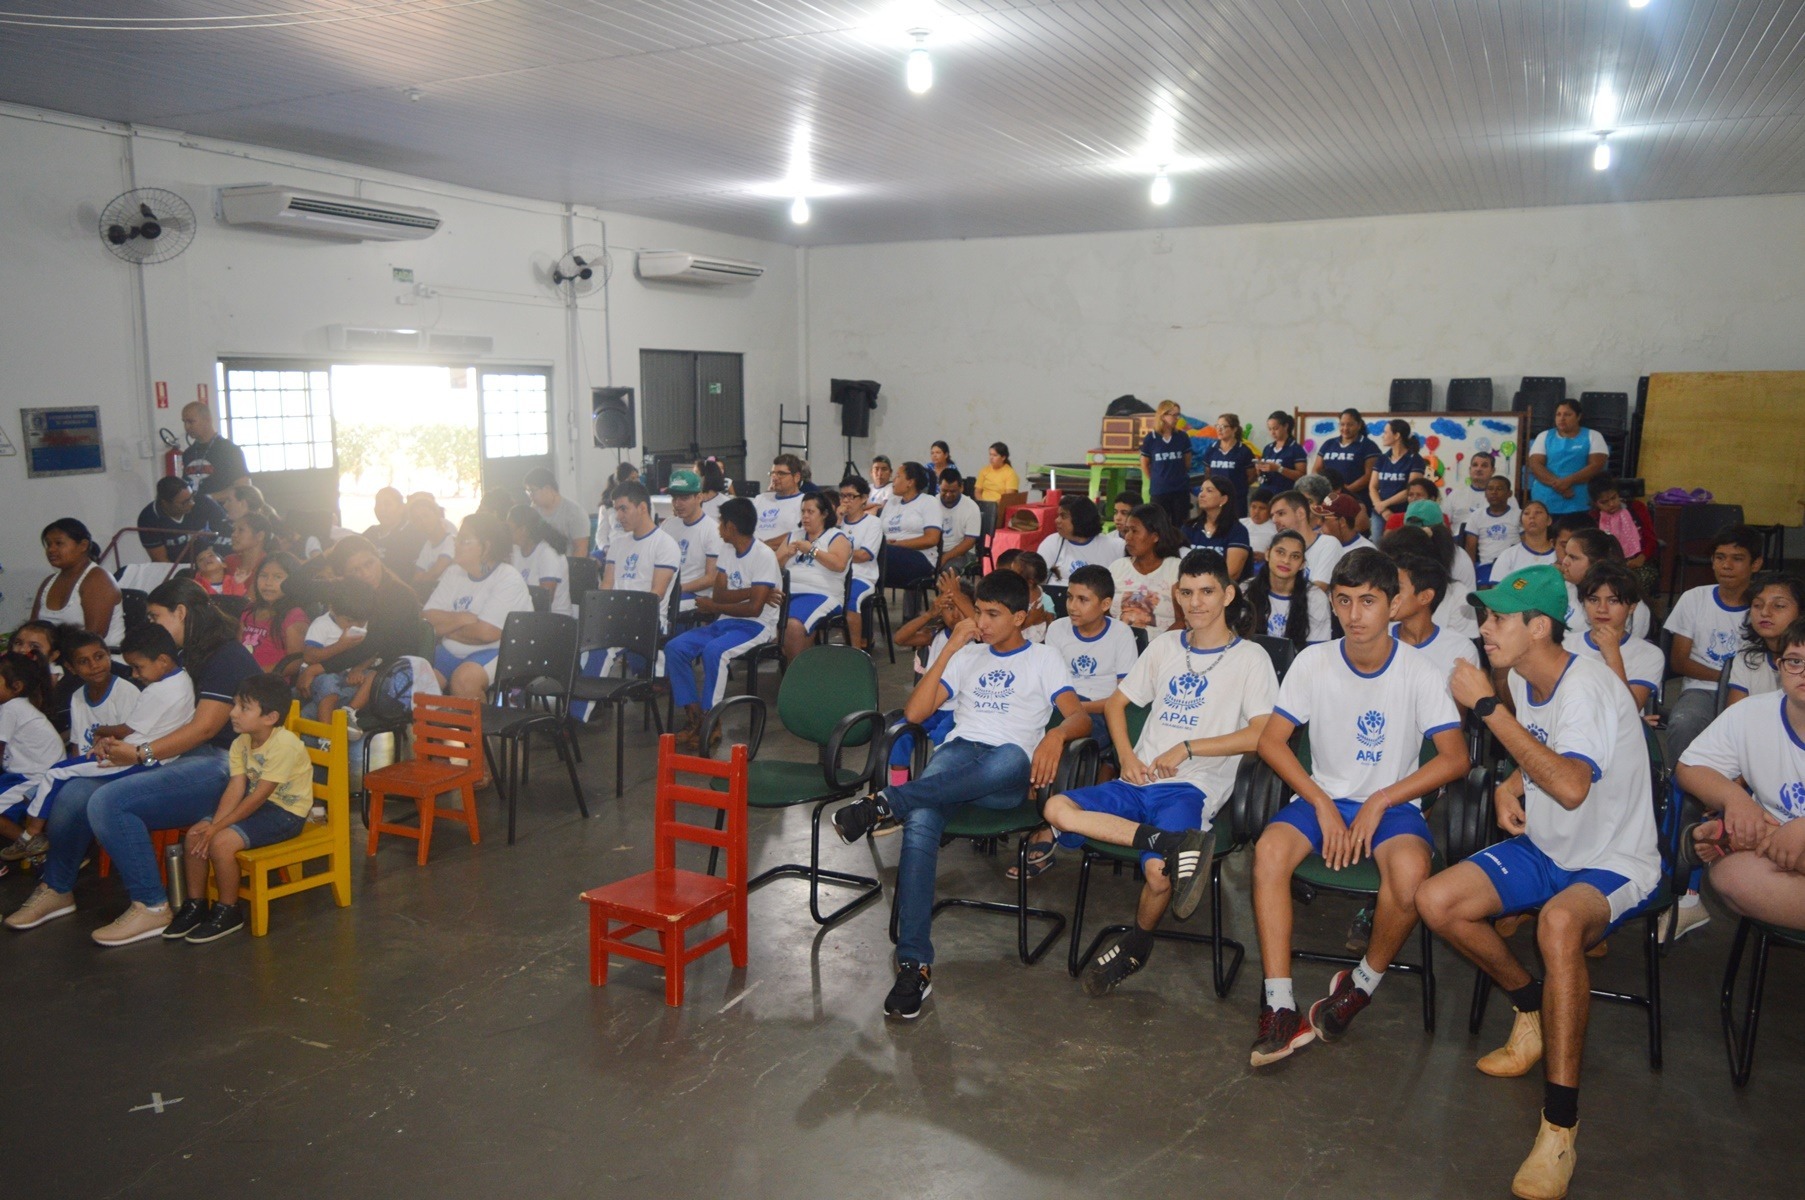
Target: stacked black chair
[(1470, 395), (1609, 414), (1411, 395)]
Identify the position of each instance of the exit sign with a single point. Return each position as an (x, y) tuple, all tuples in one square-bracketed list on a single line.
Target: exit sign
[(714, 389)]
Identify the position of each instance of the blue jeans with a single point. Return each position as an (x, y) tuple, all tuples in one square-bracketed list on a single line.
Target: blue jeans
[(960, 772), (120, 812)]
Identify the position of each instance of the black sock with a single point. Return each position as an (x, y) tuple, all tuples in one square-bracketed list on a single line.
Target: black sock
[(1560, 1105), (1527, 998), (1160, 841), (1138, 942)]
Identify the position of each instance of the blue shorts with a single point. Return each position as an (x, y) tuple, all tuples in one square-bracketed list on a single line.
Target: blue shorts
[(445, 662), (1172, 805), (938, 725), (812, 608), (1526, 878), (857, 594), (1398, 820), (267, 824), (15, 812)]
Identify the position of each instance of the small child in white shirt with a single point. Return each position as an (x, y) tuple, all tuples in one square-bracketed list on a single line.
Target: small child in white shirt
[(344, 625), (1259, 523), (29, 744), (161, 705)]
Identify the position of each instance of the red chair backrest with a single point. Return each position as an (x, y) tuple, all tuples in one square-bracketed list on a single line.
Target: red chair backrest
[(668, 830), (447, 728)]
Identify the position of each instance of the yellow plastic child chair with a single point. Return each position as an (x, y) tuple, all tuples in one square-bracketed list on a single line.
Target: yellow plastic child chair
[(330, 841)]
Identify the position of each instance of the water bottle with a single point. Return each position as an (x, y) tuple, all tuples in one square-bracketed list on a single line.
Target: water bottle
[(176, 876)]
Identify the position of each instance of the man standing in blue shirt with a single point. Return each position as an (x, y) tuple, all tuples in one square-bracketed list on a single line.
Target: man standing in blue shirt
[(1166, 465)]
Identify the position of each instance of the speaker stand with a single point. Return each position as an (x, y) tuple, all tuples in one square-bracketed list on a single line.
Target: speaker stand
[(852, 468)]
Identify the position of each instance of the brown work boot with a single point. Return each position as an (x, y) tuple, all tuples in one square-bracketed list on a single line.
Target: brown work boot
[(1548, 1170), (1521, 1052)]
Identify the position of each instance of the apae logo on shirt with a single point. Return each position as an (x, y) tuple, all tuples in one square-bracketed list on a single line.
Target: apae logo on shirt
[(1084, 665), (1276, 622), (1184, 695), (1538, 733), (630, 565), (1792, 798), (1723, 645), (995, 688), (1369, 731)]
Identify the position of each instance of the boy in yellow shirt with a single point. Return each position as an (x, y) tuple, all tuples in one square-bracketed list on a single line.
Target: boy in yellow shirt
[(267, 800)]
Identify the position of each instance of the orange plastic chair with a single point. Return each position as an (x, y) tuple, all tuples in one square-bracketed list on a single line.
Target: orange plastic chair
[(448, 757), (160, 841), (666, 901)]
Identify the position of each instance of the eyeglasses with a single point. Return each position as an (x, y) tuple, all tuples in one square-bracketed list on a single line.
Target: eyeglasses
[(1793, 666)]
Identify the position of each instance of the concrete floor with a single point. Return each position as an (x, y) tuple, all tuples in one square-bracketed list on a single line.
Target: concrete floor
[(440, 1037)]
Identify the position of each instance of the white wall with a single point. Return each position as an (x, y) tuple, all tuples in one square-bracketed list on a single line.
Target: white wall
[(1027, 339), (68, 309)]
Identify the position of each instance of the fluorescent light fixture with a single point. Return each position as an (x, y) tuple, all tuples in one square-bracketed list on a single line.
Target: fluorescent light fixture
[(1638, 3), (919, 72), (1604, 108), (1601, 156), (1161, 192), (799, 210), (790, 189)]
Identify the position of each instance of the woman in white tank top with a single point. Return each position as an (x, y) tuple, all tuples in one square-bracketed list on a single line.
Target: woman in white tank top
[(90, 598)]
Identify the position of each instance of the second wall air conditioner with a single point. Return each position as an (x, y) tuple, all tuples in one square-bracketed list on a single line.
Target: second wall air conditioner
[(319, 214), (680, 266)]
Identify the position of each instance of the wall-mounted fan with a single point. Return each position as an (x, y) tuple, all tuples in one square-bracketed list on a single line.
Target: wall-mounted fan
[(580, 271), (147, 225)]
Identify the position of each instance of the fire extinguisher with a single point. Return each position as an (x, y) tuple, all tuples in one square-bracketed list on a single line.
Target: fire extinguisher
[(172, 457)]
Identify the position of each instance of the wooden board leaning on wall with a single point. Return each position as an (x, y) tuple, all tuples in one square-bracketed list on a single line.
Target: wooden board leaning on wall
[(1738, 434)]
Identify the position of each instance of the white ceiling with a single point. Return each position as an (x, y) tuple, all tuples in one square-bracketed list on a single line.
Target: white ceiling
[(1296, 109)]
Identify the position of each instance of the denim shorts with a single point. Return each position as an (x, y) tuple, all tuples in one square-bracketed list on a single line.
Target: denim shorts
[(268, 824)]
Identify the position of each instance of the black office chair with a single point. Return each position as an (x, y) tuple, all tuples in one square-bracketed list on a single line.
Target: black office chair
[(1411, 395), (1470, 395)]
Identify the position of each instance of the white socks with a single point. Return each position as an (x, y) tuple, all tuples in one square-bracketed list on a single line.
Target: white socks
[(1365, 978), (1689, 900), (1278, 995)]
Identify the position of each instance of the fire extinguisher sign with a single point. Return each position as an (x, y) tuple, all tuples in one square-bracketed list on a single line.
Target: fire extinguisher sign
[(162, 394)]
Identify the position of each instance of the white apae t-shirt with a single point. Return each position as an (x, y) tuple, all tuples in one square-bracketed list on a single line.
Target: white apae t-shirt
[(1494, 535), (1198, 694), (778, 516), (809, 578), (32, 743), (698, 544), (1642, 661), (1590, 717), (905, 520), (1004, 699), (636, 561), (1064, 557), (1278, 620), (491, 598), (1366, 731), (758, 565), (542, 563), (1757, 740), (963, 520), (867, 534), (114, 708), (1715, 628), (1445, 648), (1095, 664)]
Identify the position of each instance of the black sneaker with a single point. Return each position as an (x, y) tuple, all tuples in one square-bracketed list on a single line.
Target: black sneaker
[(1360, 931), (914, 983), (224, 919), (1282, 1030), (853, 821), (186, 918), (1111, 967), (1188, 867), (1331, 1016)]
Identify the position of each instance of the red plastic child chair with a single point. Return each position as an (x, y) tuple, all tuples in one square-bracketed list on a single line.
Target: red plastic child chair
[(667, 901)]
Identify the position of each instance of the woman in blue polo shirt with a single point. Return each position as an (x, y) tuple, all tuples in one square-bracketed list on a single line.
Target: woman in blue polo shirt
[(1231, 458), (1563, 459), (1166, 465), (1218, 525), (1283, 462), (1350, 456), (1393, 471)]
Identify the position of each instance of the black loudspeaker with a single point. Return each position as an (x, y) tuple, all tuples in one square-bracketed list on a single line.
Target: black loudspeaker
[(615, 421), (856, 398)]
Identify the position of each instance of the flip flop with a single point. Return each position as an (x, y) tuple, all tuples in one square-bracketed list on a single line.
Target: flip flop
[(1704, 842)]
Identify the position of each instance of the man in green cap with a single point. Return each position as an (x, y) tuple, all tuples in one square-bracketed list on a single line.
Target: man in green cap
[(696, 534), (1584, 851)]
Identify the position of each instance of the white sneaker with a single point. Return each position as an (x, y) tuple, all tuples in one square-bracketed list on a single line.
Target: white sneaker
[(135, 924), (1691, 917), (43, 905)]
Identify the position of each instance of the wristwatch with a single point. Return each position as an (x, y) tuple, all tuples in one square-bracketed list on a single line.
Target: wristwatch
[(146, 756), (1485, 706)]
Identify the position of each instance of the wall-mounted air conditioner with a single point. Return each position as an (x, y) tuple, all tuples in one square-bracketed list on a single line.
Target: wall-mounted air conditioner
[(680, 266), (318, 214), (358, 339)]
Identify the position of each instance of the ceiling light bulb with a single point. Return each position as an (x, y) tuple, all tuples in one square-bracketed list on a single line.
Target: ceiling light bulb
[(1604, 109), (1162, 189), (919, 71), (1601, 157), (799, 210)]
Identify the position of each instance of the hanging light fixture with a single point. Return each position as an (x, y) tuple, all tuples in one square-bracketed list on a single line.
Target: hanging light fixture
[(919, 69), (1601, 154), (1161, 192), (799, 210)]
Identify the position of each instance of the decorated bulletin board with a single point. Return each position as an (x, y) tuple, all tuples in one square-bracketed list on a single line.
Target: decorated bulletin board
[(1449, 439), (1738, 434)]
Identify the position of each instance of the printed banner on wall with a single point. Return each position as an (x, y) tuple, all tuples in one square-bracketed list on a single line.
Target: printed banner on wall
[(62, 441), (1449, 439)]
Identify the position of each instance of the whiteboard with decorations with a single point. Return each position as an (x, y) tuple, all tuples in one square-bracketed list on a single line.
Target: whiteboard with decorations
[(1449, 439)]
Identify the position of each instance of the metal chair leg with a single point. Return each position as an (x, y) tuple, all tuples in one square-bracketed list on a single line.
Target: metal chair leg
[(1482, 992), (1739, 1044), (1651, 957), (869, 888), (559, 733)]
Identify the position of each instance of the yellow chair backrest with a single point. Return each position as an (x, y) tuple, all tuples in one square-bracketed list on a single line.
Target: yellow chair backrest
[(335, 790)]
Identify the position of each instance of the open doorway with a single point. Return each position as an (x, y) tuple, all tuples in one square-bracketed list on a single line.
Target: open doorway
[(413, 428)]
